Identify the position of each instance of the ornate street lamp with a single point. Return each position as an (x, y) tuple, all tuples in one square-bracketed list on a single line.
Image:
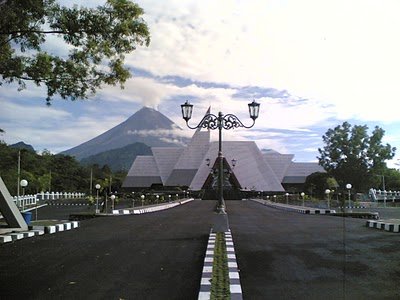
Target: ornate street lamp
[(302, 197), (211, 121)]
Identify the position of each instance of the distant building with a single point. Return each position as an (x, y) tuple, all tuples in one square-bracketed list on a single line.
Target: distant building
[(195, 167)]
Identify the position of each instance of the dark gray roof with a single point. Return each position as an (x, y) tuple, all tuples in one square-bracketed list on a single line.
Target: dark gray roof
[(181, 177), (166, 159), (294, 179), (278, 162), (303, 169), (194, 153), (141, 181), (144, 166)]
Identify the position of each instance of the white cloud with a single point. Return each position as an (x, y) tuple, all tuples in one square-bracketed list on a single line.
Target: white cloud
[(343, 53), (24, 113), (337, 59)]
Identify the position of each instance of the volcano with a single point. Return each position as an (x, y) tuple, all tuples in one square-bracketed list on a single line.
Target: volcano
[(147, 126)]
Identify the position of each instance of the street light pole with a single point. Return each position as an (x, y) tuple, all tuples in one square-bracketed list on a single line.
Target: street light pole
[(327, 192), (112, 202), (97, 197), (302, 197), (348, 187), (23, 184), (211, 121)]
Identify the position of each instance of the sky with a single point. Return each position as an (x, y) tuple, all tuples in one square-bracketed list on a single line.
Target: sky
[(311, 64)]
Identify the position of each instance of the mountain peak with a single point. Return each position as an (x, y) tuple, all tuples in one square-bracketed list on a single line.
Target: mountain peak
[(22, 145), (147, 126)]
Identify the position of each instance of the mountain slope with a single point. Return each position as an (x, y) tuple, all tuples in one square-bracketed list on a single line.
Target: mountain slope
[(146, 126), (119, 159)]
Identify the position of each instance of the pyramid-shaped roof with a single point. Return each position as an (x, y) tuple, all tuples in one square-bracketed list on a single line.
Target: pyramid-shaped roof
[(187, 166), (251, 171)]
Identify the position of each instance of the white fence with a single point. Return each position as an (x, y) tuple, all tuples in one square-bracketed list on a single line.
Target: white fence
[(25, 200), (378, 195)]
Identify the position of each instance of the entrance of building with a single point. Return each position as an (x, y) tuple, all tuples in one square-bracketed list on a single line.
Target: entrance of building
[(231, 185)]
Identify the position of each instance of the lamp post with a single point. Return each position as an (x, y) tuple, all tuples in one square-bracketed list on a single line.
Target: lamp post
[(133, 199), (23, 183), (97, 186), (211, 121), (327, 192), (112, 201), (142, 197), (287, 198), (302, 197), (348, 187), (157, 197)]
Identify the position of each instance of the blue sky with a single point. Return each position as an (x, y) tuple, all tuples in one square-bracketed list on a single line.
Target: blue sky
[(311, 64)]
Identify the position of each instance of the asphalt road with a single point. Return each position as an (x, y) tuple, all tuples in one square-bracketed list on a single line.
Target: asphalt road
[(281, 255), (284, 255), (61, 209), (150, 256)]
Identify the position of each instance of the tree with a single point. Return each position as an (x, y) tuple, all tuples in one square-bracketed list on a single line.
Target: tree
[(350, 155), (97, 39), (317, 182)]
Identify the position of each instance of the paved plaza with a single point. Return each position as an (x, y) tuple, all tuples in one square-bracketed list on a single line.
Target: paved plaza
[(160, 255)]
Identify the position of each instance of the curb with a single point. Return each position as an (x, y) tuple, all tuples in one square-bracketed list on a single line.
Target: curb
[(148, 209), (234, 278), (299, 209), (383, 225), (37, 230), (350, 207), (14, 236)]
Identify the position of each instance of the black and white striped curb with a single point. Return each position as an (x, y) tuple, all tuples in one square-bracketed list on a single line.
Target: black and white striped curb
[(38, 230), (384, 225), (14, 236), (136, 211), (350, 207), (294, 208), (234, 279), (205, 283), (67, 204)]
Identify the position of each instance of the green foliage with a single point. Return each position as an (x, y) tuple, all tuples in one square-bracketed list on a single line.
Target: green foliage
[(316, 184), (118, 159), (97, 38), (352, 156), (52, 172), (220, 274), (392, 180)]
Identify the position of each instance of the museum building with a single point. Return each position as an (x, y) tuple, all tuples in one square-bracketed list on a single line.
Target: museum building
[(195, 167)]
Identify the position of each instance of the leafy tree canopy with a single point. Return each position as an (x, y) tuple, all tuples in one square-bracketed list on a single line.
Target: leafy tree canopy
[(352, 156), (316, 184), (48, 172), (97, 39)]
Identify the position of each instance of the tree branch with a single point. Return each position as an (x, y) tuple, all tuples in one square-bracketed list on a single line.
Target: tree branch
[(21, 32)]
